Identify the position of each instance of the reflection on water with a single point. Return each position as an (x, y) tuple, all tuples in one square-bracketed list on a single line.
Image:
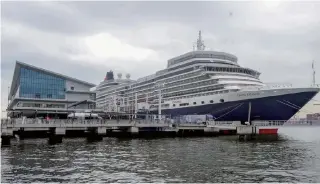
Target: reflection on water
[(295, 158)]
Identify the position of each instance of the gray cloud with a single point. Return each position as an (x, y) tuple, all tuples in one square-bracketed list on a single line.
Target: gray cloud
[(279, 41)]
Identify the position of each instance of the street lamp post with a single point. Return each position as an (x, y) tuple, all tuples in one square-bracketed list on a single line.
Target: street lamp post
[(159, 108), (159, 86), (8, 96), (136, 105)]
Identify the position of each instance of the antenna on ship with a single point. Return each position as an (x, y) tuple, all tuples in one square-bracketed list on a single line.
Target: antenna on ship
[(200, 43), (313, 74)]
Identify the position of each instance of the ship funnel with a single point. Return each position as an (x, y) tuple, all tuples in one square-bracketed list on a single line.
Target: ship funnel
[(109, 75), (119, 75)]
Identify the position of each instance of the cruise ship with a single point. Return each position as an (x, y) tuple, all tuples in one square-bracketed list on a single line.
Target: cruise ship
[(203, 82)]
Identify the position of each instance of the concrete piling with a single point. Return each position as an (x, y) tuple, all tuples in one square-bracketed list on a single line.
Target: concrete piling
[(56, 134), (134, 131), (6, 134), (95, 133), (5, 141)]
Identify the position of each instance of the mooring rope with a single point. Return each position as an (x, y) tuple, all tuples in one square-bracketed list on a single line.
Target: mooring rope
[(299, 108), (229, 111)]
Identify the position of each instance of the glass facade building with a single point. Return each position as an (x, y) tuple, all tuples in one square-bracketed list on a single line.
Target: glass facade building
[(34, 84)]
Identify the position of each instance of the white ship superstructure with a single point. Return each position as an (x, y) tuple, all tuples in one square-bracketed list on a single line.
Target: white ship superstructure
[(198, 82)]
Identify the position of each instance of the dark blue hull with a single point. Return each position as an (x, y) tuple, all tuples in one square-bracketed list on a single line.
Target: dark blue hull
[(267, 108)]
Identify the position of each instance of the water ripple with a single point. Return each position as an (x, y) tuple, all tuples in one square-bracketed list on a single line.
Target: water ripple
[(296, 158)]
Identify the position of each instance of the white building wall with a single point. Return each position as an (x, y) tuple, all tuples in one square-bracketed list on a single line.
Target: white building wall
[(77, 86), (17, 93), (81, 106), (77, 96), (309, 108)]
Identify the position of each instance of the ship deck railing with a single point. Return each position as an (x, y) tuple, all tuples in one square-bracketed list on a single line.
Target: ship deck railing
[(266, 86), (273, 86)]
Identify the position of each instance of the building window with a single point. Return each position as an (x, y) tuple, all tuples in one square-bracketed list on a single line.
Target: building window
[(37, 84), (37, 95), (92, 96), (27, 105), (72, 88), (49, 96)]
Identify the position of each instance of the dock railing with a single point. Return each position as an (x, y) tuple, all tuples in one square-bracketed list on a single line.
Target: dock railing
[(164, 119), (37, 122), (285, 123)]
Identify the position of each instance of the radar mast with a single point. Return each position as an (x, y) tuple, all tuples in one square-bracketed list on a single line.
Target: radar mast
[(313, 74), (200, 43)]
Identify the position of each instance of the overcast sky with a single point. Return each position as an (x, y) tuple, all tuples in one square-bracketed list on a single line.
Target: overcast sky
[(86, 39)]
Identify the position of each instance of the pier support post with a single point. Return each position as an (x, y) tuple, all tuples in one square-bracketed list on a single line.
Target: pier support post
[(134, 131), (246, 133), (5, 141), (6, 134), (241, 137), (96, 133), (248, 137), (209, 131), (55, 139), (56, 134), (180, 132), (21, 133)]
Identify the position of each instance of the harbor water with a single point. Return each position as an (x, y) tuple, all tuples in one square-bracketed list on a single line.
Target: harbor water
[(295, 157)]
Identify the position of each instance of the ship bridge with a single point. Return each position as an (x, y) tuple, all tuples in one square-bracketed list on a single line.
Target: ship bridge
[(214, 56), (200, 54)]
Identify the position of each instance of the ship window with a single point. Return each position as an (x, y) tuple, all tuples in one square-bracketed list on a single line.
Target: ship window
[(194, 103), (202, 102), (211, 101), (221, 100), (72, 88), (174, 105), (184, 104)]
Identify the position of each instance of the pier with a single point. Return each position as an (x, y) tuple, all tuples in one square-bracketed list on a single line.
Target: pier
[(96, 129)]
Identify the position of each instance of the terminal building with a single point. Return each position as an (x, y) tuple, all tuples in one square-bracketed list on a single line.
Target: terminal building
[(36, 92)]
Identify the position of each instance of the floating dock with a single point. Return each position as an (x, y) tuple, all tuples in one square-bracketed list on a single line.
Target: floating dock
[(96, 129)]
